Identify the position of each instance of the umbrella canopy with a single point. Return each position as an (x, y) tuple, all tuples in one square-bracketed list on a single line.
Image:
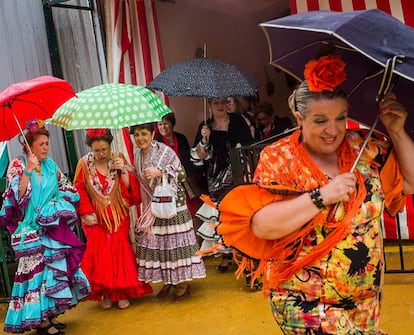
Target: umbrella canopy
[(35, 98), (205, 77), (364, 39), (110, 106)]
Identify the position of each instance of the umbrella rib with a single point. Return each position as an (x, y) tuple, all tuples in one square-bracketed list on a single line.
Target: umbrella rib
[(332, 33), (33, 104), (311, 45), (368, 77)]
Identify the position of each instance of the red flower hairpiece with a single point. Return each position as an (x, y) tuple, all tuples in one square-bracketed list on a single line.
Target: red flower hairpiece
[(325, 73), (34, 125), (96, 133)]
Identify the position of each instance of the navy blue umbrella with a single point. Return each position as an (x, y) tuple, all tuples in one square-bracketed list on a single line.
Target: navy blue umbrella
[(366, 40), (205, 77)]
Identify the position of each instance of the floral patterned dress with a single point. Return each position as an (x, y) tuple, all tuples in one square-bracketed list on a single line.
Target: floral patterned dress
[(339, 292)]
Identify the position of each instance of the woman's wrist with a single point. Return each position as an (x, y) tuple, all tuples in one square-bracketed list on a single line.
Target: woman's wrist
[(27, 172), (316, 198)]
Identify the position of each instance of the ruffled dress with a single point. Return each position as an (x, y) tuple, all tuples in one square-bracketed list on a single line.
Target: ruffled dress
[(109, 261), (166, 248), (48, 279)]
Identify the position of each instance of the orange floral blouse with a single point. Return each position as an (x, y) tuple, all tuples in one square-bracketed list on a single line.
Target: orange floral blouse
[(339, 290)]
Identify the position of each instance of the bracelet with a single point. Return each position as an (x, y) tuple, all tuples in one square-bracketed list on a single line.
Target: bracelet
[(28, 173), (316, 198)]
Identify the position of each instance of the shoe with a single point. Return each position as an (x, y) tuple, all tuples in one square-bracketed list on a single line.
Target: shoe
[(224, 266), (164, 292), (184, 294), (47, 330), (123, 304), (257, 285), (106, 302), (58, 325)]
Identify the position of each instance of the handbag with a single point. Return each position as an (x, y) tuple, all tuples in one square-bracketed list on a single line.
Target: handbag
[(163, 203)]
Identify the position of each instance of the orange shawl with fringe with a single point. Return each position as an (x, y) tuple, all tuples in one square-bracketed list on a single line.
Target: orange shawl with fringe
[(286, 170), (111, 208)]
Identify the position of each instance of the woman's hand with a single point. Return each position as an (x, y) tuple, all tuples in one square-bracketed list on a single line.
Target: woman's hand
[(338, 189), (89, 219), (32, 162), (205, 134), (393, 114), (152, 172), (118, 164)]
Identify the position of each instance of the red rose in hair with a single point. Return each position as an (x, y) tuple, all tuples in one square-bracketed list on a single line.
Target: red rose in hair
[(96, 133), (325, 73)]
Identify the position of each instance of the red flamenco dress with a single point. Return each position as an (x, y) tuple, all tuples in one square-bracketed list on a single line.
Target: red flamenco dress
[(109, 260)]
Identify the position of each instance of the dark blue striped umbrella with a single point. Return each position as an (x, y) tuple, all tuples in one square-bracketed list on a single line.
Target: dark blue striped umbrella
[(367, 40)]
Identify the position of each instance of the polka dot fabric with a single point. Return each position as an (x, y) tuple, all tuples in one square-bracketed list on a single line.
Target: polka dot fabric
[(110, 106), (205, 77)]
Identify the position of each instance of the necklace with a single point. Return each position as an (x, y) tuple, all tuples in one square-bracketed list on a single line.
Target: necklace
[(222, 125)]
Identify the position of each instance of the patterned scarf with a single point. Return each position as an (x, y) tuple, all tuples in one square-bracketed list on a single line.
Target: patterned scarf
[(162, 156), (173, 145), (286, 170)]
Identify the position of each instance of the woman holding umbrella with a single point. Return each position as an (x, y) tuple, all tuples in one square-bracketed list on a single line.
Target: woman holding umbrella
[(214, 140), (107, 188), (313, 219), (39, 210)]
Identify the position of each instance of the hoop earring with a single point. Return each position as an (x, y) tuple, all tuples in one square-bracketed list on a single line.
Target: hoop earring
[(153, 143)]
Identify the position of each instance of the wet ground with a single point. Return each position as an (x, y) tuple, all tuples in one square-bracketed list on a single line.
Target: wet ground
[(219, 305)]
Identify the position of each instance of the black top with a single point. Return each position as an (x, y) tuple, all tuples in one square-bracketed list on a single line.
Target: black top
[(217, 170)]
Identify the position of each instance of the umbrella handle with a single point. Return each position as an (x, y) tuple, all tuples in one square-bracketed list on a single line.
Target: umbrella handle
[(21, 132), (365, 143), (358, 157), (25, 140)]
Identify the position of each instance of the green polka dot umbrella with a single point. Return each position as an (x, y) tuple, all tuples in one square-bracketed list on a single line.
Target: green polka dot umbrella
[(110, 106)]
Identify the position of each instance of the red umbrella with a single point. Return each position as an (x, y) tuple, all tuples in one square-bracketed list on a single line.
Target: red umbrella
[(36, 98)]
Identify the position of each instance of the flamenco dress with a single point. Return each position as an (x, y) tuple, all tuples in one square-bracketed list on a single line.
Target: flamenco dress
[(48, 279), (109, 261)]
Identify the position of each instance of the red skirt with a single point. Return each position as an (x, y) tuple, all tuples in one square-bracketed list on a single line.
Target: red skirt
[(109, 264)]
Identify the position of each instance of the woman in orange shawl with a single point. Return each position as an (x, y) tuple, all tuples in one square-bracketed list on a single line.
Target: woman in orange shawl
[(315, 225), (107, 188)]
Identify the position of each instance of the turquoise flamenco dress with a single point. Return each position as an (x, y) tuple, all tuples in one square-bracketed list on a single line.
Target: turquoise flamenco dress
[(48, 279)]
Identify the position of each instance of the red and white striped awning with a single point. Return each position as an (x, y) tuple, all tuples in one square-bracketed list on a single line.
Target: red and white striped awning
[(404, 11), (400, 9), (136, 50)]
